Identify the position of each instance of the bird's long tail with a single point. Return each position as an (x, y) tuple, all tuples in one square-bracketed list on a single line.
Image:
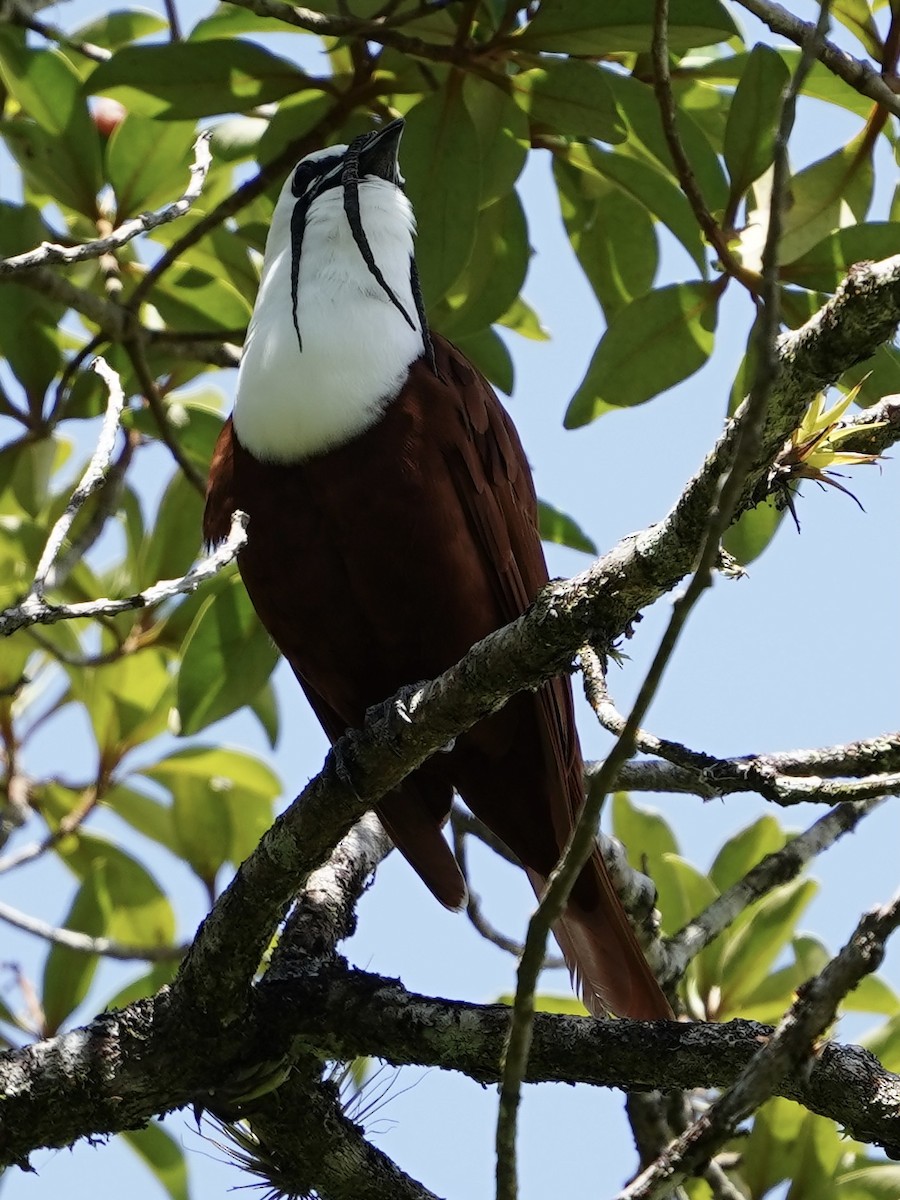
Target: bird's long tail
[(608, 967)]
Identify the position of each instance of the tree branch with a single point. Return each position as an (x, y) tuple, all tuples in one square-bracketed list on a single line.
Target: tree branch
[(49, 253)]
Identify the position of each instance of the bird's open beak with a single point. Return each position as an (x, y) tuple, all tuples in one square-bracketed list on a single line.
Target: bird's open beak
[(379, 155)]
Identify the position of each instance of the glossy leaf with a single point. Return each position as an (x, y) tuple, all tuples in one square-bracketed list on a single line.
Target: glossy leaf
[(227, 658), (48, 88), (753, 118), (175, 540), (760, 936), (140, 913), (147, 162), (648, 186), (68, 973), (752, 532), (599, 27), (119, 27), (570, 96), (650, 345), (164, 1157), (489, 353), (496, 271), (441, 161), (182, 80), (612, 235), (825, 264), (128, 700), (644, 833), (830, 194), (561, 529), (503, 136), (191, 300), (744, 850)]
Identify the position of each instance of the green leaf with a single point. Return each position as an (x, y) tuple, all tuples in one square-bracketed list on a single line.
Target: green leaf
[(521, 318), (222, 804), (560, 528), (768, 1155), (645, 183), (503, 135), (880, 1181), (489, 353), (643, 832), (191, 79), (145, 985), (646, 141), (48, 88), (884, 1043), (683, 891), (872, 995), (612, 235), (265, 708), (650, 345), (26, 467), (197, 423), (147, 162), (175, 539), (856, 15), (753, 531), (745, 850), (566, 1006), (825, 265), (68, 973), (830, 194), (753, 118), (296, 116), (440, 158), (148, 816), (163, 1155), (600, 27), (227, 658), (128, 700), (140, 913), (496, 271), (758, 937), (191, 300), (570, 96), (118, 28)]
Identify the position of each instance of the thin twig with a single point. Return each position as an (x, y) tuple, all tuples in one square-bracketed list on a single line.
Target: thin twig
[(134, 348), (93, 477), (84, 944), (662, 86), (49, 253), (774, 870), (34, 613)]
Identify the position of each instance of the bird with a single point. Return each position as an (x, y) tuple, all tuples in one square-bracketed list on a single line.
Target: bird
[(392, 525)]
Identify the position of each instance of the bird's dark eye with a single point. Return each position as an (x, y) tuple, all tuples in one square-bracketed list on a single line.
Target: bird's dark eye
[(304, 174)]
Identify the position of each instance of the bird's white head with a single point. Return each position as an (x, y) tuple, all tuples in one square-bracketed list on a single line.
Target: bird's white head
[(339, 318)]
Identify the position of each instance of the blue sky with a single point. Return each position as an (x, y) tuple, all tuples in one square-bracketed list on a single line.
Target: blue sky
[(803, 652)]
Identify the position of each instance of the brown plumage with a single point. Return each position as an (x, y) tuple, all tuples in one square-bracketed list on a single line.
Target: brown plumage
[(382, 562)]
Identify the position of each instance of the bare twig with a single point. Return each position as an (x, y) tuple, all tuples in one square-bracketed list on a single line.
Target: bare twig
[(35, 613), (135, 350), (84, 944), (49, 253), (775, 869), (93, 477)]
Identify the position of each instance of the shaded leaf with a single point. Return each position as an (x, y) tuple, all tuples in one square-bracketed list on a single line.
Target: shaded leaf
[(642, 831), (825, 264), (68, 973), (832, 193), (489, 353), (191, 79), (754, 529), (441, 161), (147, 162), (192, 300), (759, 936), (612, 26), (503, 135), (119, 27), (753, 116), (572, 97), (744, 850)]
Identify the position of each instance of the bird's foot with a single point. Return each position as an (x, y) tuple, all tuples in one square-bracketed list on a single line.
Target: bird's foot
[(396, 715)]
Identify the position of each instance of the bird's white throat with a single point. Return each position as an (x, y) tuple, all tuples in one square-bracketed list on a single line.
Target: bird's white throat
[(357, 347)]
